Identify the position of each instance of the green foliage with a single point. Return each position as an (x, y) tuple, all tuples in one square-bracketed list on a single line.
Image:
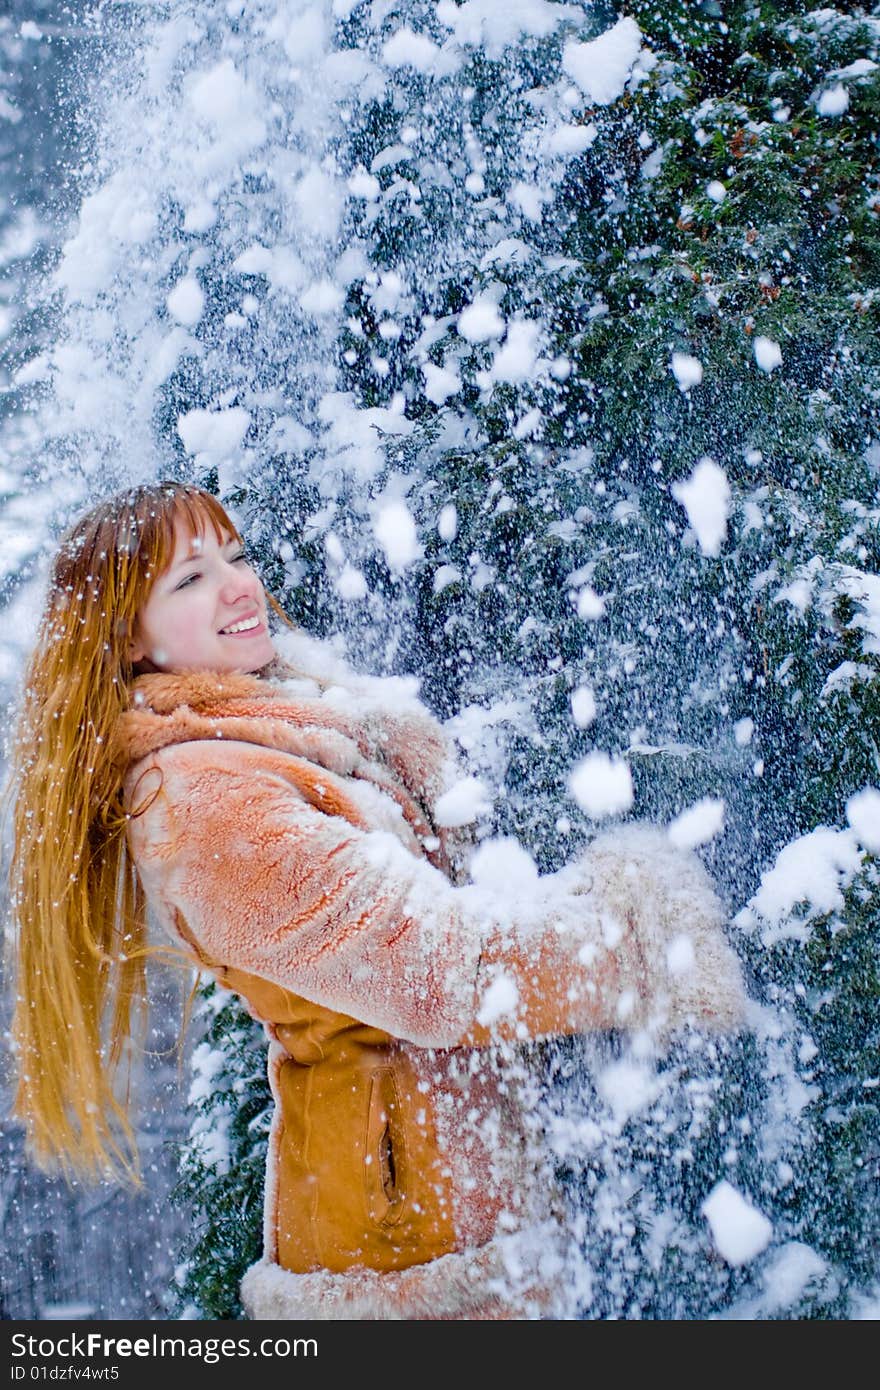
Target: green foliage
[(826, 977), (222, 1165)]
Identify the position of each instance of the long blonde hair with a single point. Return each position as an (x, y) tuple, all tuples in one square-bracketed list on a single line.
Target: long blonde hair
[(79, 931)]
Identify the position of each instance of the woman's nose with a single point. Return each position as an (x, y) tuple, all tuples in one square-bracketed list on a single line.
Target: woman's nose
[(239, 581)]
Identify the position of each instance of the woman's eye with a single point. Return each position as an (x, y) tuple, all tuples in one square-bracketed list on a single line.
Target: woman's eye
[(189, 579), (242, 555)]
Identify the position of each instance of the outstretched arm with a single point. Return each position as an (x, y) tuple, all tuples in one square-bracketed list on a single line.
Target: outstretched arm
[(351, 919)]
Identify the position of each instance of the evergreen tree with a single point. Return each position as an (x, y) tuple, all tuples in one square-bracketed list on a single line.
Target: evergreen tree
[(222, 1165)]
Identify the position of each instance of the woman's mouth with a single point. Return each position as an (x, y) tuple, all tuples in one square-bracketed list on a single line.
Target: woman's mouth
[(244, 627)]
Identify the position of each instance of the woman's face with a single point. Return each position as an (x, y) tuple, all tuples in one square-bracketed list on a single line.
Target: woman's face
[(207, 612)]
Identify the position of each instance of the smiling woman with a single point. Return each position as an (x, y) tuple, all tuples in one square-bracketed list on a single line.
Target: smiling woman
[(282, 827), (206, 611)]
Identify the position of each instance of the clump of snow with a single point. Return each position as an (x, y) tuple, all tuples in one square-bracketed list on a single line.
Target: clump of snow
[(768, 354), (697, 825), (833, 101), (590, 605), (364, 185), (812, 871), (687, 370), (444, 575), (213, 434), (350, 583), (706, 497), (799, 593), (529, 199), (499, 1000), (740, 1231), (601, 785), (492, 26), (515, 359), (224, 101), (743, 731), (716, 191), (502, 866), (602, 67), (440, 383), (788, 1274), (480, 321), (409, 49), (447, 522), (462, 803), (395, 530), (626, 1087), (186, 302), (583, 706), (863, 814)]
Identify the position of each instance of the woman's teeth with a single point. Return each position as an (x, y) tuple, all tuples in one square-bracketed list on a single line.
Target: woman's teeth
[(244, 626)]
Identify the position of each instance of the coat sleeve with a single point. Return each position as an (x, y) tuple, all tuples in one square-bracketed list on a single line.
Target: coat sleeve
[(352, 920)]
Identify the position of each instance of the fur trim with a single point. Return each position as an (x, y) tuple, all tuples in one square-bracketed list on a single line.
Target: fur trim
[(665, 899), (400, 751), (513, 1277)]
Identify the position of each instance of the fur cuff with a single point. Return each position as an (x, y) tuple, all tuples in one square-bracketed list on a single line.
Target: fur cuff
[(512, 1277)]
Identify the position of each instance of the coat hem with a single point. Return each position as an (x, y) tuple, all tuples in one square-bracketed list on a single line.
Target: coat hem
[(512, 1277)]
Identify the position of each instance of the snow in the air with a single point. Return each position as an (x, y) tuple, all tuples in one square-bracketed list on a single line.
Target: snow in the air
[(602, 66), (833, 101), (706, 497), (740, 1231), (583, 706), (395, 530), (601, 785), (480, 321), (463, 803), (768, 354), (133, 283), (863, 814), (698, 824), (687, 370)]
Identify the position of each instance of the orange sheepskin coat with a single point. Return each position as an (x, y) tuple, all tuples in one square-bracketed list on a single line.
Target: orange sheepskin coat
[(283, 832)]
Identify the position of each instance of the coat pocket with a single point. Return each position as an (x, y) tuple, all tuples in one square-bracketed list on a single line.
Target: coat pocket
[(385, 1162)]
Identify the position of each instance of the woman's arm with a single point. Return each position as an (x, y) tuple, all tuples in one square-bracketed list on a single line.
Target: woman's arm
[(352, 920)]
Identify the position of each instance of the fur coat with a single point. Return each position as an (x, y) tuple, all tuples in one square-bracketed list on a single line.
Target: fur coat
[(283, 831)]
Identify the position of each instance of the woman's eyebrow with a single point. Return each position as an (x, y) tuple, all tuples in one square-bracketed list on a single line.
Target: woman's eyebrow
[(197, 547), (186, 560)]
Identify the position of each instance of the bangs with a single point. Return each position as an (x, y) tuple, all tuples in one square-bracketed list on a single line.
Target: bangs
[(155, 516), (197, 511), (127, 541)]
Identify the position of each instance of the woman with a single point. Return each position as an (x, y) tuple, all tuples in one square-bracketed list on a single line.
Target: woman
[(279, 820)]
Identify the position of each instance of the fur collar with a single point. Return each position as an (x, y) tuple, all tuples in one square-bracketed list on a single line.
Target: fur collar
[(402, 751)]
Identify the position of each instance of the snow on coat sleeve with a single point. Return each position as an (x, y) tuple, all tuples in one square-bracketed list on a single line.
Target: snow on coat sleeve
[(352, 920)]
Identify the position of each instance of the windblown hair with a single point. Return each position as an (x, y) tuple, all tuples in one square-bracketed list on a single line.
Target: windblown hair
[(79, 918)]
